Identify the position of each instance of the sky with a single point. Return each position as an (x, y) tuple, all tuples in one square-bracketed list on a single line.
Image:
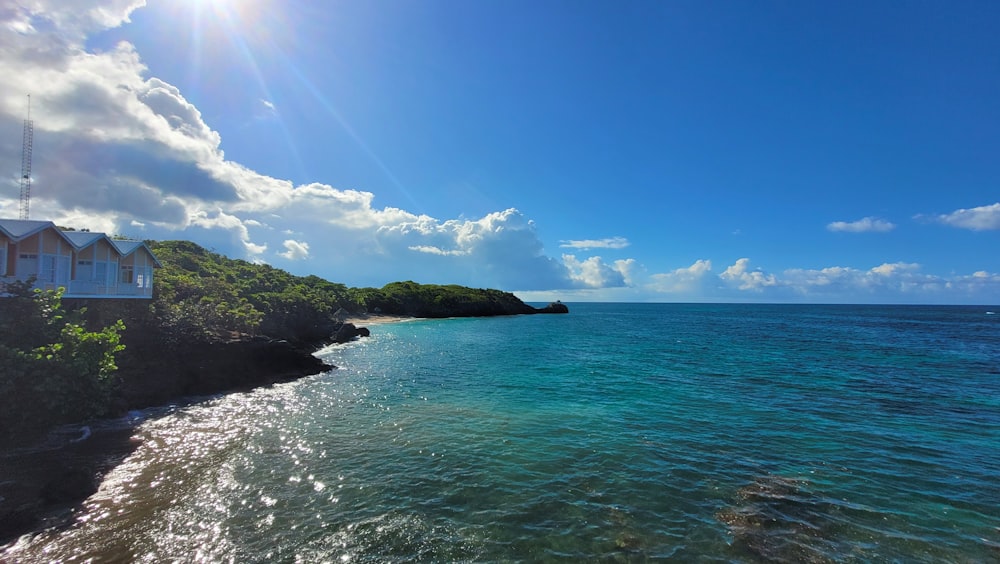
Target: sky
[(667, 151)]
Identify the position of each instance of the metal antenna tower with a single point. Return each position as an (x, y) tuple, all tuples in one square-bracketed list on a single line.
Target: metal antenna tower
[(29, 136)]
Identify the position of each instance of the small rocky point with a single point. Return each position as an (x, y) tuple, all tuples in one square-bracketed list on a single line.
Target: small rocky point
[(554, 307)]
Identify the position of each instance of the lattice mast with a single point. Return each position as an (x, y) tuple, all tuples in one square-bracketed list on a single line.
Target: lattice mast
[(29, 136)]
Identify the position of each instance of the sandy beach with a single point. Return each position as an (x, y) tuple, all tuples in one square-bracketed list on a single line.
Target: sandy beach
[(376, 319)]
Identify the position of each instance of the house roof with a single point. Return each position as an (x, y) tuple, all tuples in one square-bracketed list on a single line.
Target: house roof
[(82, 239), (18, 229), (128, 247)]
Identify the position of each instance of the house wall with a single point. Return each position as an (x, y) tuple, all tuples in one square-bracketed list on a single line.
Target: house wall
[(95, 270), (5, 266), (136, 273), (52, 259), (101, 251)]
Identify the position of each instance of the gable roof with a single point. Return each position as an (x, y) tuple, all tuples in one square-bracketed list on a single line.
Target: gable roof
[(83, 239), (18, 229), (128, 247)]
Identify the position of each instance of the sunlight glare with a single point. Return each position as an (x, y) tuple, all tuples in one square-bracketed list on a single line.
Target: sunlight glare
[(255, 22)]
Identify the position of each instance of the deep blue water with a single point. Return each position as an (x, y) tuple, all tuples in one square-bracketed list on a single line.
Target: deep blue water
[(621, 432)]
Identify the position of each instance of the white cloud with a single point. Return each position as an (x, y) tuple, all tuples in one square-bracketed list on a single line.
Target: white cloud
[(122, 149), (586, 244), (228, 223), (629, 269), (595, 273), (682, 280), (500, 249), (436, 251), (295, 250), (886, 283), (864, 225), (746, 279), (126, 149), (982, 218), (894, 269)]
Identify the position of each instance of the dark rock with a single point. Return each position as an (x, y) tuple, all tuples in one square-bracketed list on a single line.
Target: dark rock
[(40, 485), (71, 484), (151, 376), (348, 332), (554, 307)]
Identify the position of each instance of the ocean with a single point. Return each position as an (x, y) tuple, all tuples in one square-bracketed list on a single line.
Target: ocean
[(618, 432)]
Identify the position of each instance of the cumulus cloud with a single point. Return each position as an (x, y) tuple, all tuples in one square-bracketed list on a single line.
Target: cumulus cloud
[(125, 149), (982, 218), (295, 250), (746, 279), (863, 225), (501, 249), (893, 269), (593, 272), (682, 280), (896, 282), (231, 224), (586, 244), (888, 282)]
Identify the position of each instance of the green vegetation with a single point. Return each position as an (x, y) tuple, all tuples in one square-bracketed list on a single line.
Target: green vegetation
[(52, 369), (204, 293), (432, 300), (57, 365), (201, 292)]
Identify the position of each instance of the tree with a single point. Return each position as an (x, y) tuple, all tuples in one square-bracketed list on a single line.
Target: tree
[(53, 370)]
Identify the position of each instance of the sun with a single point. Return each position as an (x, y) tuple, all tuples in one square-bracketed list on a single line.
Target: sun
[(252, 20)]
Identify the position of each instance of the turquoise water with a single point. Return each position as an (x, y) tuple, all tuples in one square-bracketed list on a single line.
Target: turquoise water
[(620, 432)]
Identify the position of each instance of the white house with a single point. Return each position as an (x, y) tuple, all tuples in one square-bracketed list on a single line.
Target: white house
[(87, 265)]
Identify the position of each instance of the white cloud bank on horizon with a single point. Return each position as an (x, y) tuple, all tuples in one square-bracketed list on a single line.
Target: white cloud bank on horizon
[(863, 225), (884, 283)]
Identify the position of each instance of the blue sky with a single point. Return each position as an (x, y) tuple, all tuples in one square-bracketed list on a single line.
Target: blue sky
[(844, 152)]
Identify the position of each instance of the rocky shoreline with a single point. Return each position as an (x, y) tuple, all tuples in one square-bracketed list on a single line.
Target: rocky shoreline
[(41, 483)]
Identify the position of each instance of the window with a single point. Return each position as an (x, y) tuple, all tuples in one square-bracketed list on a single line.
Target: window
[(127, 274), (85, 263), (55, 269), (3, 259), (101, 274), (27, 266), (49, 269)]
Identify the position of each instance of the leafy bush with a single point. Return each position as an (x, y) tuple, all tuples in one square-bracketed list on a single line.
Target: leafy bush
[(208, 295), (52, 369)]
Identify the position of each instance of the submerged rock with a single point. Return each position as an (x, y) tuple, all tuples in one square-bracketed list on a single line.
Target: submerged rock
[(779, 519)]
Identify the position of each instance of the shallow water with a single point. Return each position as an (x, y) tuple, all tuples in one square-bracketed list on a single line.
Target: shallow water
[(617, 432)]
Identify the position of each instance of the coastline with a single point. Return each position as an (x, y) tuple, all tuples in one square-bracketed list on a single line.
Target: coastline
[(378, 319), (45, 480), (43, 487)]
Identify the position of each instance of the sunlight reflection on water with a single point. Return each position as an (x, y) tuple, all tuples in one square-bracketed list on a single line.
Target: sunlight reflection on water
[(438, 443)]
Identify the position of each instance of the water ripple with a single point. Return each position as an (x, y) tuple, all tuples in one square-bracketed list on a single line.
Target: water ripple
[(718, 433)]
